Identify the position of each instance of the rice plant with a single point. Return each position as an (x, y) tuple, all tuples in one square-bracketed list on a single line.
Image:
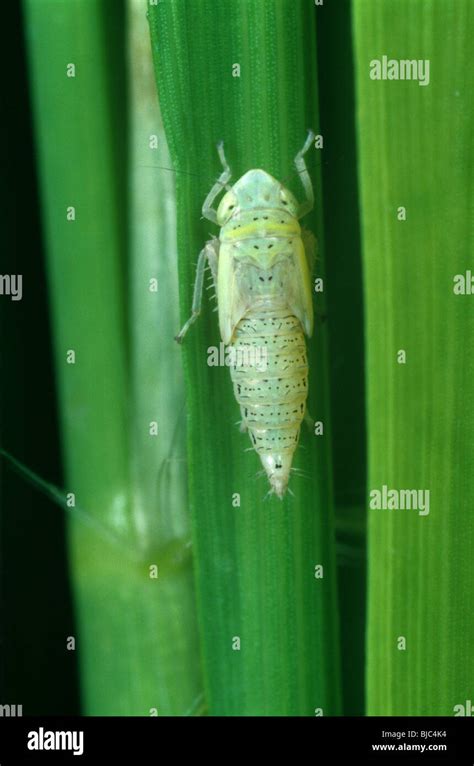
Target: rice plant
[(193, 593)]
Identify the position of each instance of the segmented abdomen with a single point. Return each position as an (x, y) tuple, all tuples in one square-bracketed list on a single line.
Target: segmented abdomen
[(270, 377)]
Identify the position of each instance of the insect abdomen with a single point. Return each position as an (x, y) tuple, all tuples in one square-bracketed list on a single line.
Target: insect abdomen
[(270, 377)]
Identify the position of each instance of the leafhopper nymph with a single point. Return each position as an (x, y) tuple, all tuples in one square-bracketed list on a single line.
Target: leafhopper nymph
[(261, 267)]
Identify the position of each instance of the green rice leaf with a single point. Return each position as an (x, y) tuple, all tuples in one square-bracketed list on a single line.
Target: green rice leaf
[(415, 153), (245, 72)]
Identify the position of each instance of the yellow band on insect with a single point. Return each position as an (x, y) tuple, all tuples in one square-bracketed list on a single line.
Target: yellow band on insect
[(258, 229)]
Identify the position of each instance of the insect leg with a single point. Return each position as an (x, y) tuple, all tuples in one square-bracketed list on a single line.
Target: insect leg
[(209, 253), (212, 248), (309, 421), (300, 164), (310, 246), (207, 209)]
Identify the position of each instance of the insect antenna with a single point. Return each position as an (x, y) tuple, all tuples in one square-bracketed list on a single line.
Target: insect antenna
[(295, 172), (260, 475), (300, 473), (226, 186), (173, 170)]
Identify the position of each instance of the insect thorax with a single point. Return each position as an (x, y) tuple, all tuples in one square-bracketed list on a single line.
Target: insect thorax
[(261, 243)]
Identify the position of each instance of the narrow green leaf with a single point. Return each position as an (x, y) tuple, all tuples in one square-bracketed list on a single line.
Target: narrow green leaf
[(159, 461), (73, 111), (85, 237), (137, 640), (415, 152), (245, 72)]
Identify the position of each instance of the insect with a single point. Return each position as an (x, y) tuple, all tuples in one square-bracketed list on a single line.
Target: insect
[(261, 267)]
